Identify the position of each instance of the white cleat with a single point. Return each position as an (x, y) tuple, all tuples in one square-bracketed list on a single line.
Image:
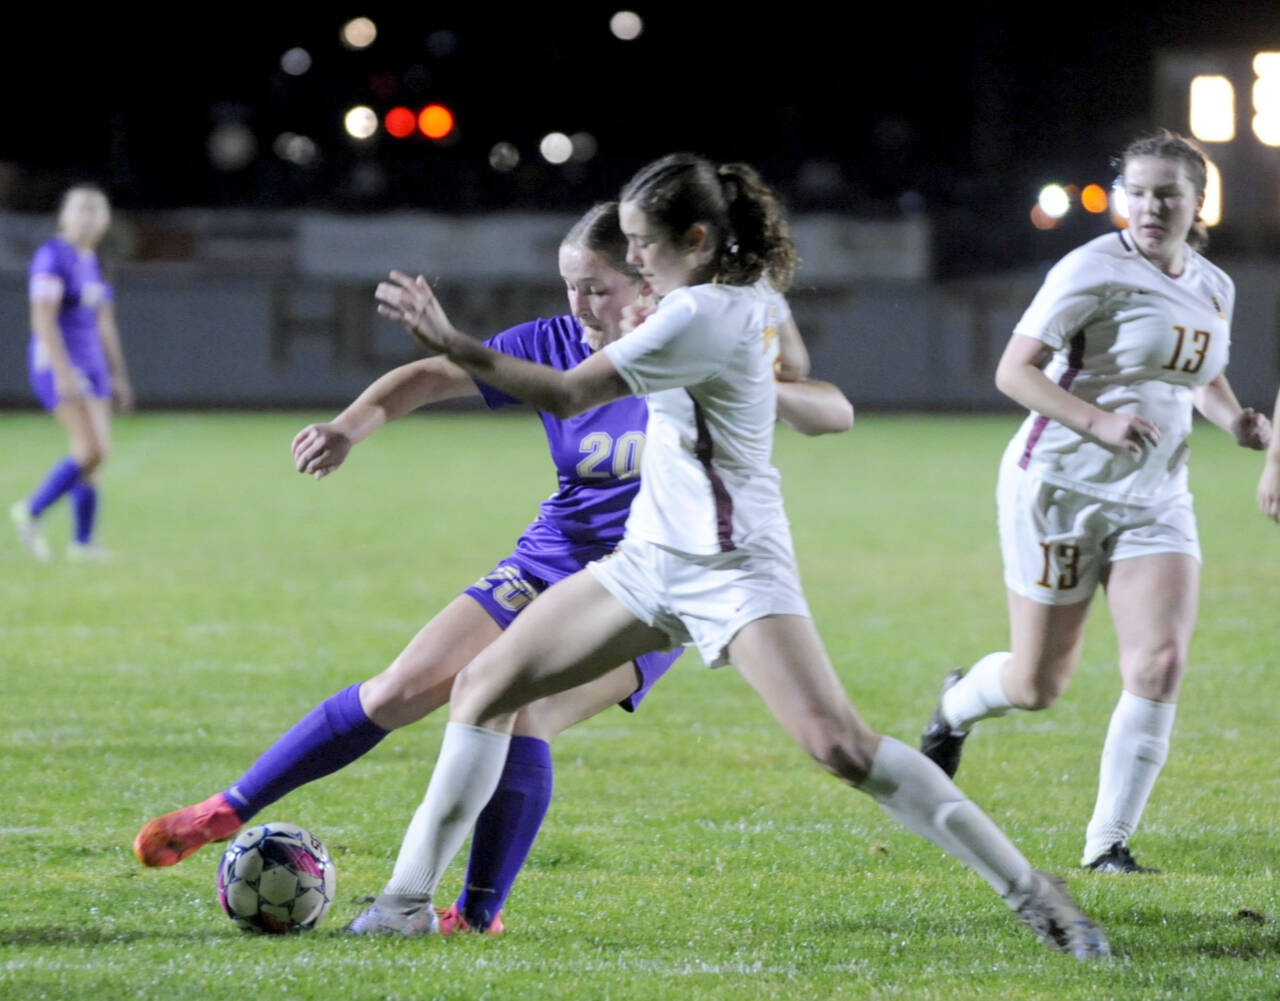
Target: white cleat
[(380, 919), (28, 529), (1057, 919), (87, 552)]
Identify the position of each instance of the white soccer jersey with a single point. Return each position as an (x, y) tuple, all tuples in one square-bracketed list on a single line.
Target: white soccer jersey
[(705, 360), (1129, 339)]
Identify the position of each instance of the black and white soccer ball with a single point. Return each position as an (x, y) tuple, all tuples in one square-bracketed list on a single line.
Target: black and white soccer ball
[(276, 878)]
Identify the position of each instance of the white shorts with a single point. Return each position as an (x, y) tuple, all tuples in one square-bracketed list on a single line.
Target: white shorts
[(704, 600), (1059, 544)]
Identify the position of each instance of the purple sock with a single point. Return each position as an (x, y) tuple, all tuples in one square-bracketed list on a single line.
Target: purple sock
[(57, 481), (84, 506), (506, 830), (331, 736)]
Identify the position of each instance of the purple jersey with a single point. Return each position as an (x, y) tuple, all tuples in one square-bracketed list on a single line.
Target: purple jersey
[(83, 292), (597, 457)]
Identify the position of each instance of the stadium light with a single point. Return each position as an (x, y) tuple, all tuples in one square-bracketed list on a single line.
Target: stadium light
[(556, 147), (1211, 210), (1213, 109), (360, 122), (1093, 199), (1266, 98), (504, 157), (400, 122), (626, 25), (359, 33), (435, 121), (1054, 201)]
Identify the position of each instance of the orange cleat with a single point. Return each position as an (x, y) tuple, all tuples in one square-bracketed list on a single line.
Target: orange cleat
[(169, 839), (451, 921)]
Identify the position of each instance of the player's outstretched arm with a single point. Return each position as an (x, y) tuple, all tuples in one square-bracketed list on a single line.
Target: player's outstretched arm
[(412, 304), (1269, 482), (319, 449), (1217, 402), (1020, 376), (814, 407)]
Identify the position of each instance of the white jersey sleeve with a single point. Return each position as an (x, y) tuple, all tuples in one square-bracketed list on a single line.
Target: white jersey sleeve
[(1070, 298), (679, 345)]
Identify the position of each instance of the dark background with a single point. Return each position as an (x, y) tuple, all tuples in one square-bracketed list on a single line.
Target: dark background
[(874, 110)]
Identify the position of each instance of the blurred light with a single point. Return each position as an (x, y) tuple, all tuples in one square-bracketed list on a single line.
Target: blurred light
[(556, 147), (296, 61), (1266, 98), (1119, 204), (504, 157), (296, 149), (1211, 210), (1213, 109), (1053, 201), (626, 25), (584, 147), (231, 146), (442, 43), (360, 122), (359, 33), (435, 121), (400, 122), (1041, 219), (1094, 199)]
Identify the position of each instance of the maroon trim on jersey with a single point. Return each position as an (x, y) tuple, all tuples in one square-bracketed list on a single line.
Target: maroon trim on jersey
[(719, 492), (1075, 359)]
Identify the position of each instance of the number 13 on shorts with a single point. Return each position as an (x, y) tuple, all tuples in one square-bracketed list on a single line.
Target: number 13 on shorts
[(1061, 566)]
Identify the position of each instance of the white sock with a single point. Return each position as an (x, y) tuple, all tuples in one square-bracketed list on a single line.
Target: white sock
[(466, 774), (979, 694), (1135, 750), (917, 794)]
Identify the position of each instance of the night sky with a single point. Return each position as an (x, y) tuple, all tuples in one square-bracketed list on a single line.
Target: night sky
[(851, 113)]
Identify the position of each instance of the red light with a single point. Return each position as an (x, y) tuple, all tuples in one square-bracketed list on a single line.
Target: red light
[(400, 122), (435, 121)]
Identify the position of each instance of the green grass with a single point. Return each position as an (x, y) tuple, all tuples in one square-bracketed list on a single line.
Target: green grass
[(691, 851)]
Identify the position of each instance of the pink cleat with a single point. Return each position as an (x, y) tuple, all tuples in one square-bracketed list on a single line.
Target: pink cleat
[(169, 839), (451, 921)]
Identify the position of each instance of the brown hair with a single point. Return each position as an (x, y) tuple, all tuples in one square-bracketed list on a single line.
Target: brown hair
[(1168, 145), (600, 232), (746, 220)]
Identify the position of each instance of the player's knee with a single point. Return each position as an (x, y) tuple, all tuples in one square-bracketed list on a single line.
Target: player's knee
[(89, 456), (1157, 674)]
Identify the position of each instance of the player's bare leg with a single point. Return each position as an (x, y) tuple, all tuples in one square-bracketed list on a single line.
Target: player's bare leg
[(1154, 600)]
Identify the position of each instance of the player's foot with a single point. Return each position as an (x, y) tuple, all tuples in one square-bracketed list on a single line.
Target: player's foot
[(87, 552), (451, 920), (28, 529), (169, 839), (941, 743), (1057, 919), (1119, 859), (392, 915)]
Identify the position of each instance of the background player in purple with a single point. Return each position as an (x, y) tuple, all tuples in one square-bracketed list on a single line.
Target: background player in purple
[(597, 456), (76, 368)]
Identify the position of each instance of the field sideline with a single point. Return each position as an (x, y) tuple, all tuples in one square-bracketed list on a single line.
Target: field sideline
[(691, 851)]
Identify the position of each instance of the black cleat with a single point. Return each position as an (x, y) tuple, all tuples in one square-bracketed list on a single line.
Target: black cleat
[(1058, 920), (1118, 859), (941, 743)]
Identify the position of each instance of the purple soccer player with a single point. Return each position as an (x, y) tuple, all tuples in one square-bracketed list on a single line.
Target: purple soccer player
[(76, 367), (597, 456)]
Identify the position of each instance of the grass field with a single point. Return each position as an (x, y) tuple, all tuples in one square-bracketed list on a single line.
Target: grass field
[(691, 851)]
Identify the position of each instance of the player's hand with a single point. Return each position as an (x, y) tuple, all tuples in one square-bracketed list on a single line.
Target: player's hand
[(636, 313), (1269, 490), (1252, 429), (122, 394), (412, 304), (1131, 432), (319, 449)]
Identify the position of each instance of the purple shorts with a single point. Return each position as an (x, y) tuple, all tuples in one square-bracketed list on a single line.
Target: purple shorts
[(504, 592), (95, 380)]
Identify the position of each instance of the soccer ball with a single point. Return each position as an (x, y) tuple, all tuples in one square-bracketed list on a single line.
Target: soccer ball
[(276, 878)]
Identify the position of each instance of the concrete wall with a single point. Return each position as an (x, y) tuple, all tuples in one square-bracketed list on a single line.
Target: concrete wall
[(277, 311)]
